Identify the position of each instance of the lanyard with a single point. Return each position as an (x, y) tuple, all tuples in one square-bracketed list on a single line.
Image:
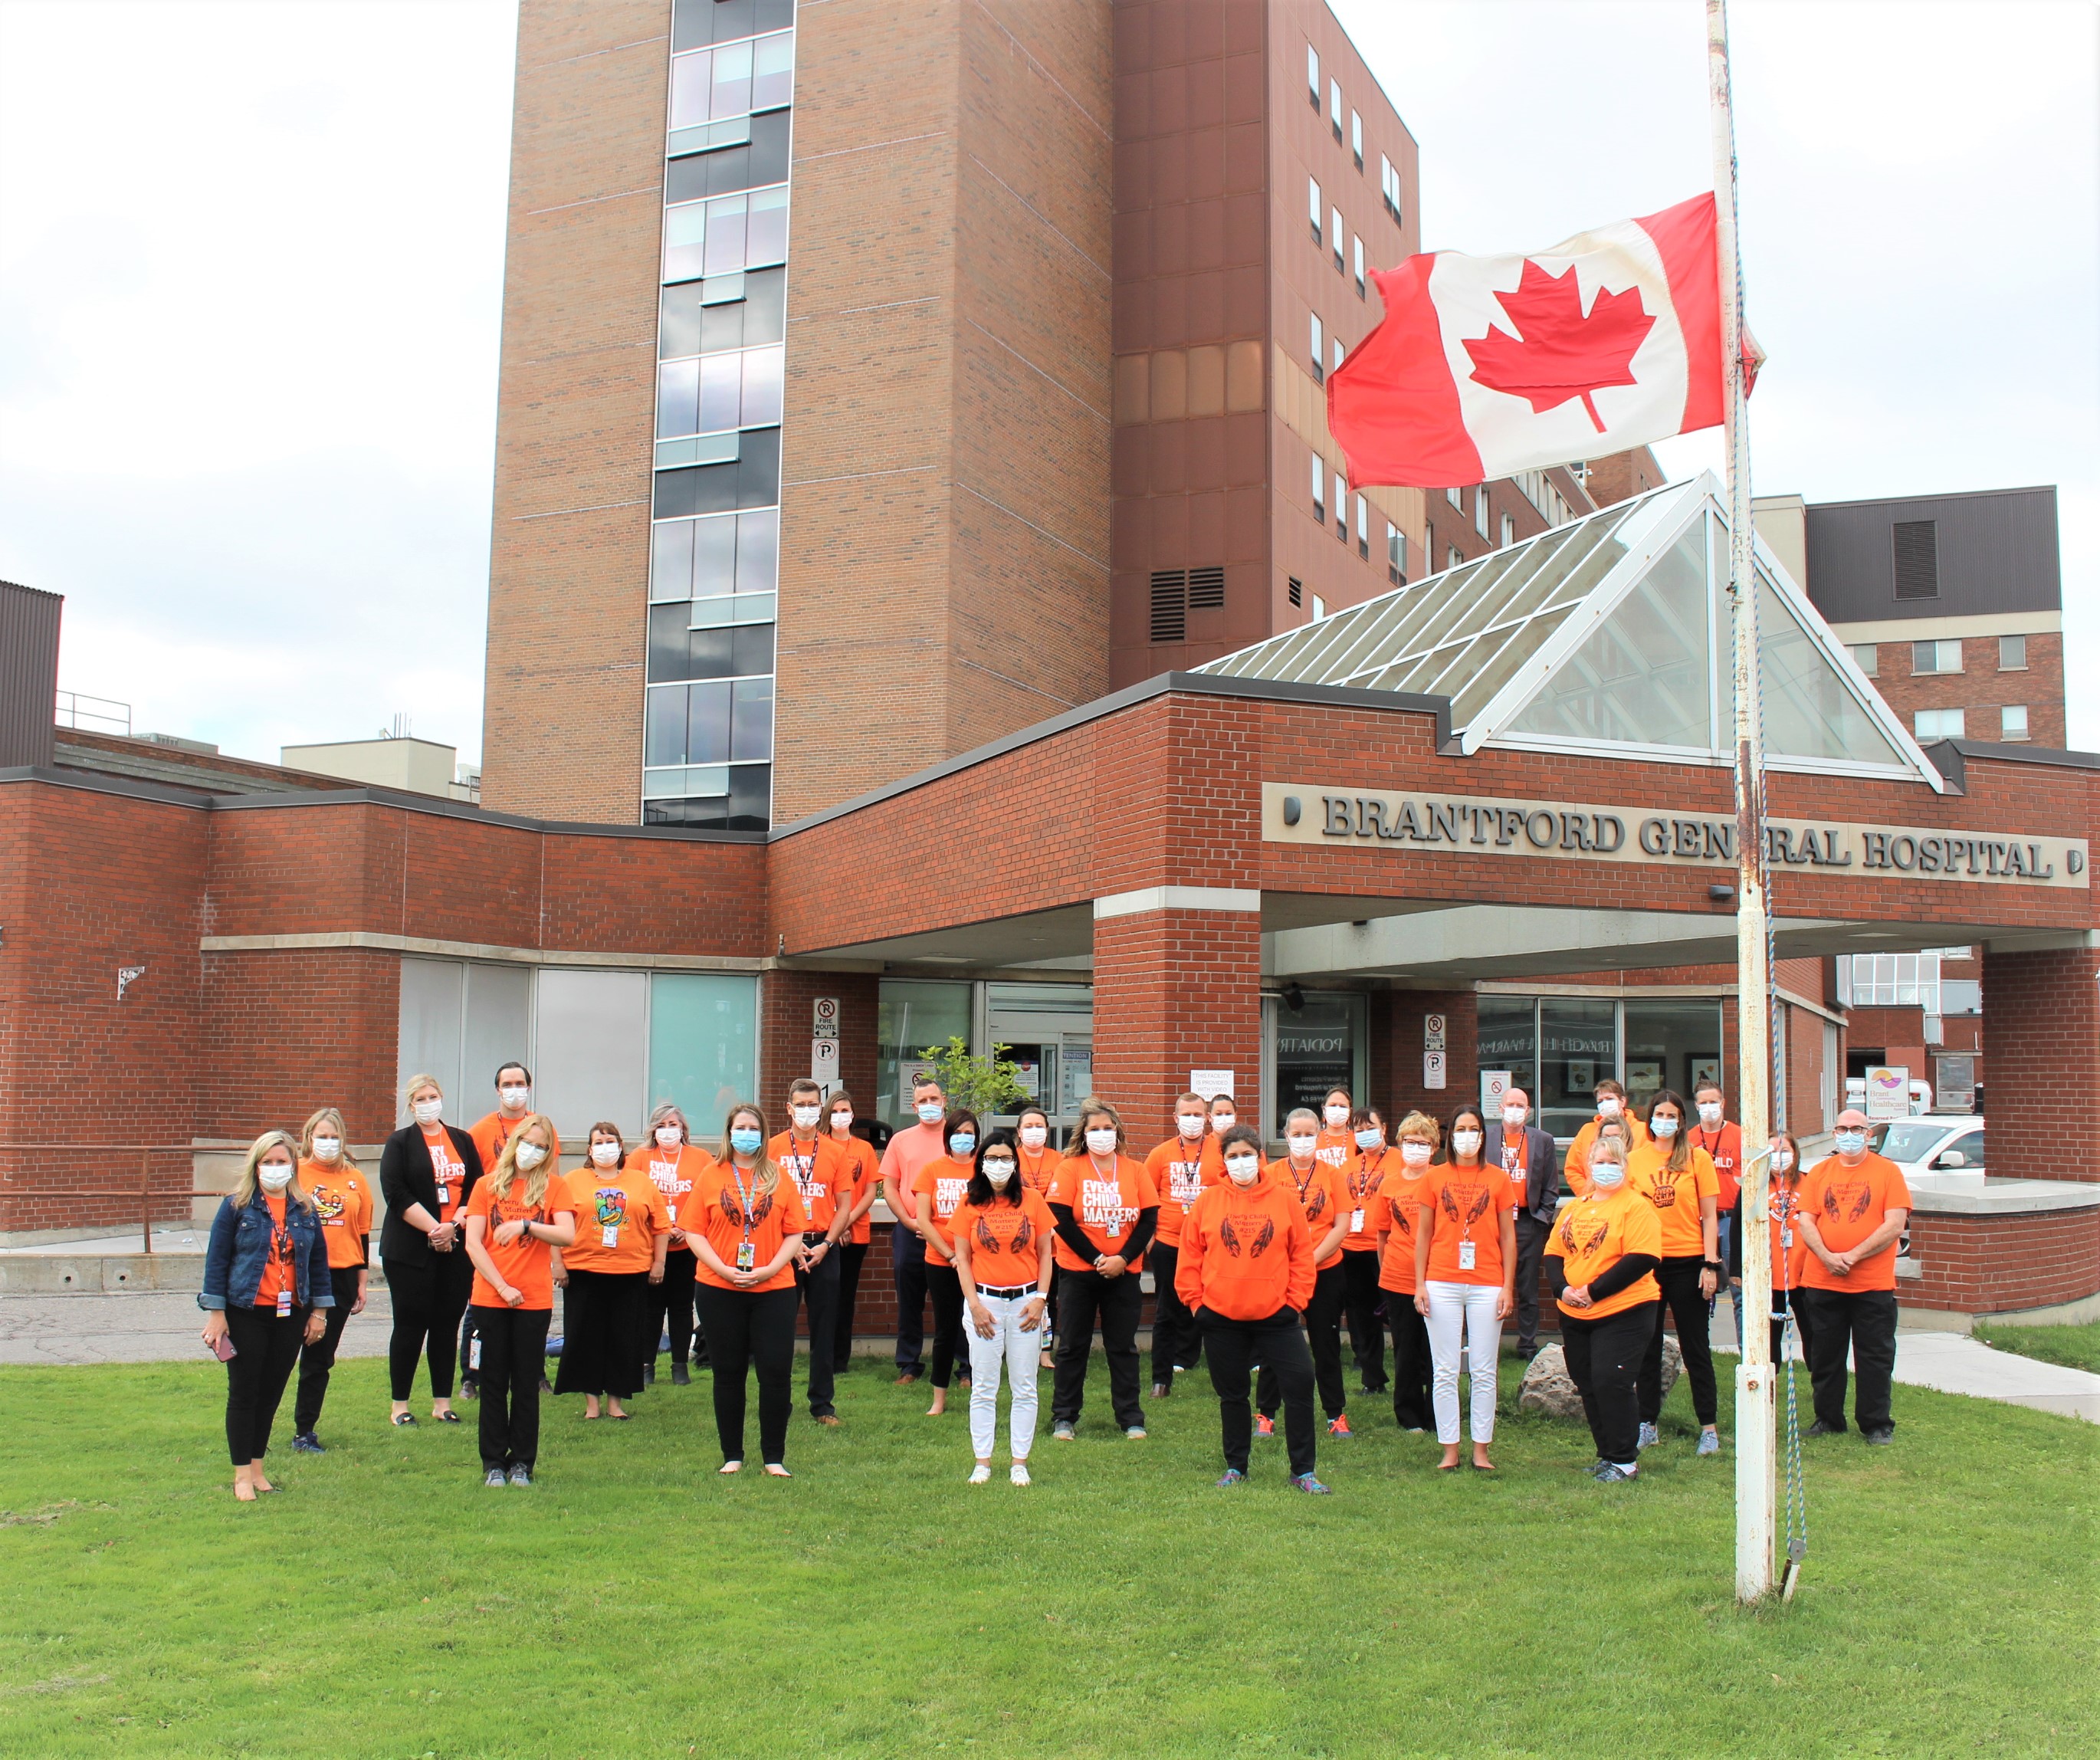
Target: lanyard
[(803, 1166), (743, 1194), (1373, 1172), (1305, 1185)]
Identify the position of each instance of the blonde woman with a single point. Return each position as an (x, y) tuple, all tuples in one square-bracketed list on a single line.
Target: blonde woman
[(1679, 1179), (343, 1202), (744, 1223), (517, 1217), (427, 1171), (1106, 1207), (265, 1289)]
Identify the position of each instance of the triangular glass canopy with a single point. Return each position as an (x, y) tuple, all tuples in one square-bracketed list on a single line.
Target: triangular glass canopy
[(1611, 634)]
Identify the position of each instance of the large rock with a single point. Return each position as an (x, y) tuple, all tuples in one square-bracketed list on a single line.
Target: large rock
[(1547, 1388)]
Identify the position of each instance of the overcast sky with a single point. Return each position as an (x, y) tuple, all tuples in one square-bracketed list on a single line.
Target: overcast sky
[(251, 287)]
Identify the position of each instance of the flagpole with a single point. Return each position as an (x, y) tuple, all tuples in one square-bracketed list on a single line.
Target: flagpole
[(1756, 1479)]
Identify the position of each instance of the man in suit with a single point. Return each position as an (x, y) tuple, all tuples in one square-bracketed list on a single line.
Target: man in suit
[(1528, 1156)]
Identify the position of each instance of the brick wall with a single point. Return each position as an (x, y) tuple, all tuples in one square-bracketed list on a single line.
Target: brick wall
[(786, 1013), (2041, 1033), (1397, 1084), (1979, 689), (1989, 1264)]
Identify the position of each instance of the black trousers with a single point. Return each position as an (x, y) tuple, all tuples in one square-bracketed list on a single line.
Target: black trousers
[(315, 1360), (1323, 1333), (851, 1257), (1082, 1296), (1679, 1278), (667, 1307), (1862, 1322), (1279, 1341), (513, 1352), (749, 1328), (1412, 1367), (1604, 1359), (429, 1301), (265, 1347), (1360, 1300), (945, 1288), (1176, 1342), (1532, 1236), (820, 1290), (907, 1272), (602, 1319)]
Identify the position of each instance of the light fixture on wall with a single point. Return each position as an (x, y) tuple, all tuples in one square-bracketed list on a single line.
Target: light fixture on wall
[(1294, 998)]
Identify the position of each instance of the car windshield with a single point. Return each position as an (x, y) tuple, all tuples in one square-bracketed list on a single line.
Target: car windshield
[(1911, 1142)]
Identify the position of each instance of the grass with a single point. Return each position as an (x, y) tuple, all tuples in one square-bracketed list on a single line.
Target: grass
[(2074, 1347), (635, 1603)]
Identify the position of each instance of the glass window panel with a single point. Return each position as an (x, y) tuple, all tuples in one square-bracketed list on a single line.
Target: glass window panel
[(769, 150), (685, 241), (750, 803), (758, 551), (1809, 710), (1670, 1044), (678, 389), (758, 468), (591, 1035), (692, 77), (720, 391), (703, 1046), (707, 724), (764, 306), (710, 652), (722, 326), (751, 651), (710, 614), (1577, 1048), (714, 554), (1495, 668), (768, 240), (664, 742), (725, 233), (751, 736), (731, 95), (703, 489), (668, 646), (671, 560), (762, 370), (499, 1023), (755, 607), (1316, 1048), (772, 71), (678, 321), (1508, 1039), (910, 1018), (427, 1040)]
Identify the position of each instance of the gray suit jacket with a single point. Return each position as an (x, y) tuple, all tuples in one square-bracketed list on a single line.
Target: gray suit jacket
[(1541, 1166)]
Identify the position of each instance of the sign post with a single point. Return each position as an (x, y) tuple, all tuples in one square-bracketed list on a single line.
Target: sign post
[(824, 1043)]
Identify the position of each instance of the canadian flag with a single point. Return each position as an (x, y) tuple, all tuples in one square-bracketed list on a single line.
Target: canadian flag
[(1486, 365)]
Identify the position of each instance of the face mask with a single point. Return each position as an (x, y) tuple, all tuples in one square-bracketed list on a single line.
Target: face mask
[(1302, 1147), (1607, 1106), (1336, 1116), (1515, 1116), (1662, 1125), (1034, 1136), (1782, 1159), (744, 1140), (514, 1096), (805, 1116), (998, 1173), (842, 1123), (1851, 1142), (1100, 1141), (1367, 1139), (931, 1111), (1710, 1113), (1223, 1122), (1465, 1142), (1244, 1168), (960, 1143), (669, 1136), (603, 1154), (1190, 1128), (1606, 1175), (530, 1155), (428, 1111), (328, 1147), (275, 1175), (1415, 1154)]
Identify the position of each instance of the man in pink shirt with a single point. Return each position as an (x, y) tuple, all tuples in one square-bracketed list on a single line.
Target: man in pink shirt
[(909, 1151)]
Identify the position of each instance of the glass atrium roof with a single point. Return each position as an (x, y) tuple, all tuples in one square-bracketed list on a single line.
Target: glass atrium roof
[(1610, 634)]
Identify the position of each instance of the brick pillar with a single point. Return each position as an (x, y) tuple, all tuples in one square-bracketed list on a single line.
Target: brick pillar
[(786, 1000), (2042, 1062), (1174, 990), (1399, 1085)]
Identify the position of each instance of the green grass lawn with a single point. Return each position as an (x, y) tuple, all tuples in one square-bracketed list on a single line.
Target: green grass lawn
[(2075, 1346), (635, 1603)]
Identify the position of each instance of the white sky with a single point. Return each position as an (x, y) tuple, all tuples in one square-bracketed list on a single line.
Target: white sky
[(250, 288)]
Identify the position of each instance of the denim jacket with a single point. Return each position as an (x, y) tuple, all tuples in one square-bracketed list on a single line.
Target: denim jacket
[(239, 1247)]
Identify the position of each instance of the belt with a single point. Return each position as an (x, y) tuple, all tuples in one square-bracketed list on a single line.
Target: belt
[(1011, 1292)]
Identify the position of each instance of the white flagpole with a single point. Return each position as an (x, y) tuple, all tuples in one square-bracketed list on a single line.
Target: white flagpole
[(1756, 1480)]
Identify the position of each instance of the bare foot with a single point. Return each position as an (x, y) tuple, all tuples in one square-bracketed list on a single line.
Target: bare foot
[(258, 1480), (590, 1406), (732, 1466), (1450, 1459), (613, 1407), (1481, 1461), (776, 1471), (241, 1488), (940, 1403)]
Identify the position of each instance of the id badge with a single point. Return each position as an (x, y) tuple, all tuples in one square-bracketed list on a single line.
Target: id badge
[(1465, 1256), (473, 1353), (1356, 1222), (284, 1305), (1113, 1230), (747, 1256), (1786, 1237)]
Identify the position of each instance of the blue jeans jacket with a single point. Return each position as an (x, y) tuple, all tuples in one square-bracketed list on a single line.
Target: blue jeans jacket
[(239, 1247)]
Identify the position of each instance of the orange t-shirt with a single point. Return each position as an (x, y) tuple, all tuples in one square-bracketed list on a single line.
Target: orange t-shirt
[(1847, 1204), (448, 1170), (1180, 1170), (715, 1208), (526, 1264), (620, 1213), (1361, 1176), (344, 1203), (279, 1271), (1576, 1168), (821, 1174), (1725, 1145), (1789, 1246), (1104, 1206), (1593, 1234), (1322, 1194), (1396, 1210), (491, 1130), (942, 1183), (671, 1176), (1468, 1203), (1245, 1254), (1039, 1166), (1516, 1163), (1005, 1240), (861, 1172), (1334, 1149), (1675, 1196)]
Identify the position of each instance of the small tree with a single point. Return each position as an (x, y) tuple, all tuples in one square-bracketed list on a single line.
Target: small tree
[(985, 1085)]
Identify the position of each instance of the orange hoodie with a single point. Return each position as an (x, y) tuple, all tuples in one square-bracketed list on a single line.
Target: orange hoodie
[(1245, 1254)]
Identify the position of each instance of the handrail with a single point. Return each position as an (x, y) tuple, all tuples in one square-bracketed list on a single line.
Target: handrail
[(145, 1193)]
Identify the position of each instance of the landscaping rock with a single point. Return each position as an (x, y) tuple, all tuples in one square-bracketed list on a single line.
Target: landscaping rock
[(1547, 1388)]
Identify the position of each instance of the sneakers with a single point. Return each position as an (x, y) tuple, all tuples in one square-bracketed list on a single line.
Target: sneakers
[(981, 1474), (1136, 1433), (1063, 1431), (1264, 1425), (1160, 1390), (1340, 1427), (1019, 1474), (681, 1376), (469, 1388), (1880, 1439), (1311, 1487), (521, 1477), (1609, 1475), (1819, 1428), (1234, 1476), (1648, 1436), (494, 1479), (1709, 1442), (307, 1443)]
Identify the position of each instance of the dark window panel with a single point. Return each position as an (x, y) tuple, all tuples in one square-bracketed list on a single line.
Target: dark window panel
[(748, 806), (707, 724), (705, 488), (750, 732), (708, 174), (665, 742), (757, 468), (694, 24), (750, 650), (764, 306), (768, 149), (668, 645), (711, 653)]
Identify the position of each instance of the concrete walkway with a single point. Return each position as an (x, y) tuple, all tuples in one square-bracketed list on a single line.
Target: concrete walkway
[(144, 1326)]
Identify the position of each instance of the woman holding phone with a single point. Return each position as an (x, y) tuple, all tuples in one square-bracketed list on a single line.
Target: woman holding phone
[(1002, 1231)]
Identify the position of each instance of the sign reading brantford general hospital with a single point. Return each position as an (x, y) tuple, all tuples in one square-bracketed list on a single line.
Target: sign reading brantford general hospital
[(1302, 813)]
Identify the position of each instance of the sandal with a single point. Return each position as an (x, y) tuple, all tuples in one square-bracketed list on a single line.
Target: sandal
[(446, 1418), (403, 1417)]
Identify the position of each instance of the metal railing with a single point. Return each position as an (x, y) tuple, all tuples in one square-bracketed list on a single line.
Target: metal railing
[(97, 714), (145, 1191)]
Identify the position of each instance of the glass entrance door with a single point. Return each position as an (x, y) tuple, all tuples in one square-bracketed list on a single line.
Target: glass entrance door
[(1049, 1030)]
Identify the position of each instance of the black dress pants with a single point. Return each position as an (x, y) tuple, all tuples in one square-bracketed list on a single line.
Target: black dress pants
[(1360, 1300), (265, 1347), (513, 1352), (1279, 1341), (667, 1307), (1604, 1358), (945, 1286), (851, 1256), (1862, 1322), (907, 1272), (602, 1321), (430, 1300), (1176, 1342), (1323, 1334), (1413, 1369), (1083, 1295), (749, 1328), (1679, 1278), (819, 1290), (1532, 1236), (316, 1360)]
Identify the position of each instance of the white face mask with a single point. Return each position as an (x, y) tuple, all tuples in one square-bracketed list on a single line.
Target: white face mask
[(428, 1111), (1243, 1169), (1223, 1122), (530, 1155), (805, 1117), (1367, 1139), (1710, 1113), (1034, 1136), (275, 1175), (1851, 1142), (1465, 1142), (1663, 1125), (514, 1096), (998, 1173), (842, 1123), (1606, 1176), (1782, 1159), (1607, 1106), (604, 1154), (1416, 1154), (930, 1111), (1302, 1145), (1515, 1116), (1336, 1116), (1100, 1141), (327, 1148), (1190, 1128), (669, 1136)]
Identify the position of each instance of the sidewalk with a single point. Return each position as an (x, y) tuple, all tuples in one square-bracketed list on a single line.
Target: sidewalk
[(149, 1326)]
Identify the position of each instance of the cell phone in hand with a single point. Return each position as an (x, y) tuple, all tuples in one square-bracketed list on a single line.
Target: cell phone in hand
[(222, 1348)]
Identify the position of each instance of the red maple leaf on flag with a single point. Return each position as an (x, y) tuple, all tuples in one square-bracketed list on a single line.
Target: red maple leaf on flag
[(1560, 351)]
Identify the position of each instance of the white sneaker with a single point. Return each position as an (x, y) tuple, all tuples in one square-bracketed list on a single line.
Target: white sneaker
[(981, 1473), (1019, 1476)]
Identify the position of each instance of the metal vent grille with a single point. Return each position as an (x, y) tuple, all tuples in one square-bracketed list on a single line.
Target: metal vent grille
[(1170, 605), (1918, 559), (1206, 590), (1297, 591)]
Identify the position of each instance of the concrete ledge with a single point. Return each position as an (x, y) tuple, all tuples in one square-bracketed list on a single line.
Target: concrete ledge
[(106, 1274), (2003, 1197), (2081, 1313)]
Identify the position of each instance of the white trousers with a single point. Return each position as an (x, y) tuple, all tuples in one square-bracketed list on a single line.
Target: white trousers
[(1470, 1308), (1021, 1353)]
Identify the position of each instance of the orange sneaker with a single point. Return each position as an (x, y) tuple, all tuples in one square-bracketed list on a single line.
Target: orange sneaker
[(1264, 1425), (1340, 1427)]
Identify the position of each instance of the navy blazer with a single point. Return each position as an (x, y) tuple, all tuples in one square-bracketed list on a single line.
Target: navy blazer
[(240, 1248), (1542, 1168)]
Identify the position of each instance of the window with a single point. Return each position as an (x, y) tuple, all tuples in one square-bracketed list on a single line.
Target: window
[(1454, 557), (1319, 607), (1389, 187), (1363, 544), (736, 312), (1896, 980), (1312, 75), (1940, 724), (1935, 657), (1313, 206), (2012, 653), (1356, 249), (1337, 355), (714, 559), (708, 85), (1297, 589), (1866, 655), (1916, 547), (1480, 509), (1334, 106), (713, 392), (725, 235), (1509, 530), (1395, 554), (1319, 494), (1340, 479), (1455, 498), (1335, 216), (1356, 138), (1428, 548), (749, 164), (2013, 722), (1319, 352)]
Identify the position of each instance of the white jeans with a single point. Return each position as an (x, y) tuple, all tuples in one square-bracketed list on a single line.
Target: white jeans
[(1470, 1308), (1021, 1352)]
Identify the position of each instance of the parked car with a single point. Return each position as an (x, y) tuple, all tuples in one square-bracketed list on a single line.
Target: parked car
[(1953, 1144)]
